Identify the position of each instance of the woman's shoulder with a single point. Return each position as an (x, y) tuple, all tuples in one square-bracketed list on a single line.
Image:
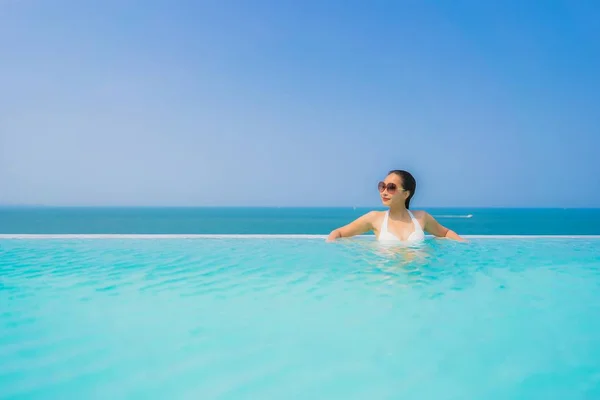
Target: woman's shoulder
[(420, 214), (373, 215)]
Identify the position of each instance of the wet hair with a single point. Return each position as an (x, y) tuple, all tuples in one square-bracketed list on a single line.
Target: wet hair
[(408, 183)]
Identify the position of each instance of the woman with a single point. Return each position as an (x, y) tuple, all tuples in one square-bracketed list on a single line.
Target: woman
[(398, 224)]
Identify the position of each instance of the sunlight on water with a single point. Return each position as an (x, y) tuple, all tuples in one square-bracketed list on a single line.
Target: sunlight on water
[(285, 318)]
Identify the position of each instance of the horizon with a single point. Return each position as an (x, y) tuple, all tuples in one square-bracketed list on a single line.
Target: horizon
[(137, 104), (26, 206)]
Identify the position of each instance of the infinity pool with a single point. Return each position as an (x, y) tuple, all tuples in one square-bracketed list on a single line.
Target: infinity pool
[(298, 318)]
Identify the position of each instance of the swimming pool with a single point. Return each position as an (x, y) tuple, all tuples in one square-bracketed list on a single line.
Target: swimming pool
[(293, 317)]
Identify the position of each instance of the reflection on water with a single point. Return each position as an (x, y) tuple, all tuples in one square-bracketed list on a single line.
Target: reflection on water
[(441, 267), (434, 268), (400, 266)]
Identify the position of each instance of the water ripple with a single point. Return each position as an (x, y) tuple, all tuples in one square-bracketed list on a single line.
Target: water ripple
[(268, 318)]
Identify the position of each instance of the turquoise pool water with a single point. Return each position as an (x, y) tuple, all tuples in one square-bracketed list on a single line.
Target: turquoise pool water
[(297, 318)]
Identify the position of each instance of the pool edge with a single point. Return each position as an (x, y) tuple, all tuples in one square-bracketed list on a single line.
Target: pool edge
[(255, 236)]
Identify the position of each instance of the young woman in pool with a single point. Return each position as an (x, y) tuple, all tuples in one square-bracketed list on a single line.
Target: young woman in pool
[(398, 224)]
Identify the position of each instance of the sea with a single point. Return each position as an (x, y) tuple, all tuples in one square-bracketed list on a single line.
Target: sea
[(273, 220)]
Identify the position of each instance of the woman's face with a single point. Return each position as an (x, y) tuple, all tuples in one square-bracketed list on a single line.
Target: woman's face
[(391, 190)]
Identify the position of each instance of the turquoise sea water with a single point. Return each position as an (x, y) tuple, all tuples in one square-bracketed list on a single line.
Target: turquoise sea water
[(469, 221), (274, 318)]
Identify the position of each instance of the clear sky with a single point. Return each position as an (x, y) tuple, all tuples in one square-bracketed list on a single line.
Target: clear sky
[(306, 103)]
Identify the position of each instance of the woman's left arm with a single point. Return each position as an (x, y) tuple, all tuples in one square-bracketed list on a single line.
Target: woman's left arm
[(436, 229)]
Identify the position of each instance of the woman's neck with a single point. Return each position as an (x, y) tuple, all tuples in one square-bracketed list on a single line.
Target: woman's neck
[(399, 213)]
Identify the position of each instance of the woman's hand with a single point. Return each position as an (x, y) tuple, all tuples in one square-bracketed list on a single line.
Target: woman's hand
[(335, 234), (359, 226)]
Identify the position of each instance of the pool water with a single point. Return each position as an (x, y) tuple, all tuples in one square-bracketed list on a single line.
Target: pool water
[(298, 318)]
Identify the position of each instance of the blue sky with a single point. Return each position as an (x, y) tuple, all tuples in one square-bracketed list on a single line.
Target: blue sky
[(299, 102)]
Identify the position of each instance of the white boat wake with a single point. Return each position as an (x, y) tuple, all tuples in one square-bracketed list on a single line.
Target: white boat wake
[(454, 216)]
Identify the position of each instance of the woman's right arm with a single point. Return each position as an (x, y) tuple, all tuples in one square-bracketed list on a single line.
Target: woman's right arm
[(362, 224)]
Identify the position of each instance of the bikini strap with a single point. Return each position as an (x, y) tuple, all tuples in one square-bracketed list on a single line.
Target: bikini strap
[(384, 225), (414, 221)]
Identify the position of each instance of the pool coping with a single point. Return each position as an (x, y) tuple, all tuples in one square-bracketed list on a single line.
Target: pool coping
[(252, 236)]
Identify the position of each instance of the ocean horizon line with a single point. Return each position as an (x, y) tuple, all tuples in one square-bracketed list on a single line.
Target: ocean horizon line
[(296, 207)]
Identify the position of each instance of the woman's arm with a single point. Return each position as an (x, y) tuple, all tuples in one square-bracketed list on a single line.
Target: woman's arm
[(359, 226), (436, 229)]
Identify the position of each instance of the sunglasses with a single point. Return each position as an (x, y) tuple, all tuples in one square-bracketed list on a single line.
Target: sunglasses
[(391, 187)]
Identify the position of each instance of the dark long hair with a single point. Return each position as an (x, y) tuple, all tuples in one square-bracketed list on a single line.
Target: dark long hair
[(408, 183)]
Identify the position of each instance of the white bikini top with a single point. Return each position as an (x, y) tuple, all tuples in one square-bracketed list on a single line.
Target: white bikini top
[(416, 236)]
